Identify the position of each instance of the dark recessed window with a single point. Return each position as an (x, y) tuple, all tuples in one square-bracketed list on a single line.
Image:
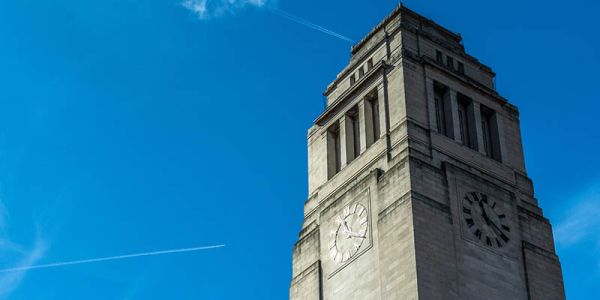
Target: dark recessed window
[(370, 64), (489, 130), (466, 123), (352, 79), (439, 57), (442, 110), (449, 62), (334, 162), (352, 134), (361, 72), (372, 118), (461, 68)]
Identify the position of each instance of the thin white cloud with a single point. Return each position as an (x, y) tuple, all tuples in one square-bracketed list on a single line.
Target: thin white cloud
[(108, 258), (581, 222), (208, 9), (10, 281), (310, 25), (9, 249)]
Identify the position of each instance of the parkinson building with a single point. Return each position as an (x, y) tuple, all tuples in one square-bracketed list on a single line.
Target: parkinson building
[(417, 181)]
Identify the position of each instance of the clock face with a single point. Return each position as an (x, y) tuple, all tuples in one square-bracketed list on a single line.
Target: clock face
[(349, 234), (485, 220)]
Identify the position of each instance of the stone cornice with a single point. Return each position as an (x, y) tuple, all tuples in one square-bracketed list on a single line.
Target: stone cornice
[(451, 43), (460, 77), (353, 63), (403, 9)]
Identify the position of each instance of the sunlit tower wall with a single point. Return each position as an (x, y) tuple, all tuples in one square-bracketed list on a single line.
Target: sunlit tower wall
[(417, 180)]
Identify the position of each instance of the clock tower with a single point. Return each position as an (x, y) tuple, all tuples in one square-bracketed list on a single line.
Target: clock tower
[(417, 180)]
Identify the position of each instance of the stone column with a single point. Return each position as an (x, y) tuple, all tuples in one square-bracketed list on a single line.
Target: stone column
[(382, 113), (477, 126), (497, 120), (365, 124), (431, 104), (344, 141), (453, 117)]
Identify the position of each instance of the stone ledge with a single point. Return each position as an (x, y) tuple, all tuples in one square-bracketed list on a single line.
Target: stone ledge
[(539, 250), (316, 266)]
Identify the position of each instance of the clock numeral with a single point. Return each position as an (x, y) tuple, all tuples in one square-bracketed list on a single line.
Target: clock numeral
[(504, 237), (363, 221), (478, 233), (466, 210), (502, 216), (494, 205), (488, 241), (484, 198), (498, 243), (353, 209), (469, 200), (470, 222), (506, 228)]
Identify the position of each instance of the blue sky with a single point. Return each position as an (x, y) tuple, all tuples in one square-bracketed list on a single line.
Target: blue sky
[(129, 126)]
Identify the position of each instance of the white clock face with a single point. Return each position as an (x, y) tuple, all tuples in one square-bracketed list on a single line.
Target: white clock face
[(350, 233)]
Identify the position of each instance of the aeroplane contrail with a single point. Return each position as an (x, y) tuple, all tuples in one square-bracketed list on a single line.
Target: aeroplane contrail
[(308, 24), (92, 260)]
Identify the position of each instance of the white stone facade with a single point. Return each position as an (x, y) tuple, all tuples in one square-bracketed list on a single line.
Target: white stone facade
[(380, 144)]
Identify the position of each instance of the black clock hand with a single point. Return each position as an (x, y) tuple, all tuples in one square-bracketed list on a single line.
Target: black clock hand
[(488, 221), (346, 226), (347, 230), (497, 229), (484, 214)]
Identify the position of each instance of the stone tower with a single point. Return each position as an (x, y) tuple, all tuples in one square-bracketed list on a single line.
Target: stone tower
[(417, 181)]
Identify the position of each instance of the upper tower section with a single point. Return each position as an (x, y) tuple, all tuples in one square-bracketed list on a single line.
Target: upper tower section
[(410, 88), (440, 45)]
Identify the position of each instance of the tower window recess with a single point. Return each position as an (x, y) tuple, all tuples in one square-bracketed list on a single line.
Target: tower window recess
[(442, 110), (352, 134), (466, 120), (449, 62), (334, 161), (461, 68), (489, 130), (372, 118), (361, 72), (352, 79), (439, 57), (370, 64)]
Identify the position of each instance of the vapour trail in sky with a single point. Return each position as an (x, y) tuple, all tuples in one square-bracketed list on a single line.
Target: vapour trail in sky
[(308, 24), (93, 260)]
